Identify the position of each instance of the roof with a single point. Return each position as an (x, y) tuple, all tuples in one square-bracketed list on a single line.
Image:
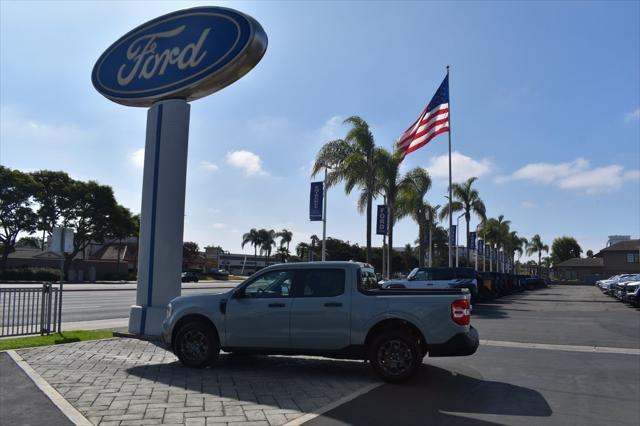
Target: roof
[(630, 245), (581, 262)]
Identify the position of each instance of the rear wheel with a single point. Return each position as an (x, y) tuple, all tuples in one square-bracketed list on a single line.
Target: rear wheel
[(197, 345), (395, 355)]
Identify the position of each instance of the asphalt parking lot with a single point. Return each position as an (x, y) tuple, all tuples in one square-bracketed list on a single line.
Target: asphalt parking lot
[(555, 356)]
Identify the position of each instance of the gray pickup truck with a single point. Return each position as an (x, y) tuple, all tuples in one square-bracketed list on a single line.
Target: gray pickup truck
[(331, 309)]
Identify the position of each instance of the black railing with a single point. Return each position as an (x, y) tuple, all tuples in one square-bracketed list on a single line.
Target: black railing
[(30, 310)]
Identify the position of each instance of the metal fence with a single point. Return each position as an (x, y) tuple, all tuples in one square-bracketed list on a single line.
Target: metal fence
[(30, 310)]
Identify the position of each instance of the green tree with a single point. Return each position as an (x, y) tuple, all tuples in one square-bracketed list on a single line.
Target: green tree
[(123, 225), (514, 244), (267, 243), (496, 232), (537, 246), (284, 253), (302, 250), (351, 160), (285, 238), (29, 242), (53, 196), (589, 253), (564, 248), (190, 252), (390, 184), (411, 202), (253, 238), (467, 200), (16, 214), (89, 210)]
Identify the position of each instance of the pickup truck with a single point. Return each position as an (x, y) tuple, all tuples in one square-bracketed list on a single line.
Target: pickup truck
[(437, 278), (331, 309)]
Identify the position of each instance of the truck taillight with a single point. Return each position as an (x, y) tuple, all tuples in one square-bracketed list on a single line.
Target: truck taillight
[(461, 312)]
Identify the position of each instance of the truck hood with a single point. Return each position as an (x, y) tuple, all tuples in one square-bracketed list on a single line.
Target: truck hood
[(198, 299)]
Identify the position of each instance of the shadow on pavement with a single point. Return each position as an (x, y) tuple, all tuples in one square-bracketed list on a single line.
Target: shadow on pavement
[(438, 396)]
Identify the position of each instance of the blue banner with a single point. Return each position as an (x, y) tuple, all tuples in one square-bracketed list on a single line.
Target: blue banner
[(315, 201), (487, 251), (452, 237), (382, 222), (472, 241), (480, 248)]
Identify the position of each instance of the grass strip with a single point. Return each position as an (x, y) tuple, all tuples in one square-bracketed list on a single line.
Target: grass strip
[(54, 339)]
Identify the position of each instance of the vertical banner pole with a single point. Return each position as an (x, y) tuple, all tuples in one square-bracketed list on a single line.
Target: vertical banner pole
[(59, 313), (430, 246), (450, 183), (324, 216)]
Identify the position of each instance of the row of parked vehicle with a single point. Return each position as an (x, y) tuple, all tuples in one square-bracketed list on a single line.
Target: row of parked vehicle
[(481, 285), (625, 287)]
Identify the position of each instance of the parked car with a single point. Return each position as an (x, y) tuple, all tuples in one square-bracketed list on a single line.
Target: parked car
[(437, 278), (332, 309), (633, 293), (609, 286), (188, 277), (219, 274), (620, 288)]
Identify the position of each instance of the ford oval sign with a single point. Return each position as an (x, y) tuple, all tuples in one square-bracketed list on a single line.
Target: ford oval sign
[(183, 55)]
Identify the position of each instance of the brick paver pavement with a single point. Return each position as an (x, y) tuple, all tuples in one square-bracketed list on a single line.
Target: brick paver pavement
[(132, 382)]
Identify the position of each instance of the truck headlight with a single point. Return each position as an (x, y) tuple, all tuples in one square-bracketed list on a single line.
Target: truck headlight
[(169, 310)]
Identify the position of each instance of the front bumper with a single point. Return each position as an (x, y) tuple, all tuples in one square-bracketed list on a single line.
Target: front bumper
[(462, 344)]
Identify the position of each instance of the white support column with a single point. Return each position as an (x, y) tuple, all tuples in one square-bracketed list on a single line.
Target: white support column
[(162, 215)]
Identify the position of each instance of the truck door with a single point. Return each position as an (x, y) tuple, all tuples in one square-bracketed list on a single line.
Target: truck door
[(258, 316), (320, 310)]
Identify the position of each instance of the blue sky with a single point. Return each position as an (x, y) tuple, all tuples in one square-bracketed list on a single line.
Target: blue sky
[(545, 110)]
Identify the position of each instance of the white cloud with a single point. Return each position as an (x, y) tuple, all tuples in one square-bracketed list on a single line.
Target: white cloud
[(332, 129), (209, 166), (18, 128), (577, 174), (249, 162), (546, 172), (462, 166), (632, 116), (219, 225), (137, 158)]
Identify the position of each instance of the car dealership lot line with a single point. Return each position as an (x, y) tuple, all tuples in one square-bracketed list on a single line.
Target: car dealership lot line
[(570, 348)]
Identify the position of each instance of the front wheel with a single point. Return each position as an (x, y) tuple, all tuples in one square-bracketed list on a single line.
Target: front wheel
[(395, 356), (197, 345)]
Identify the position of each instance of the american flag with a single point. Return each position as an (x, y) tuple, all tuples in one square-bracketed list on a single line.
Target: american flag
[(433, 121)]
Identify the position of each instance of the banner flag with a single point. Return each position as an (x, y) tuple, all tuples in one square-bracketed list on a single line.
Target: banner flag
[(315, 201), (382, 222), (452, 237), (472, 241), (480, 248)]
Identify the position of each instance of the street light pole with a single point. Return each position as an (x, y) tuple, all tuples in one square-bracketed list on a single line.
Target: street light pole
[(324, 216)]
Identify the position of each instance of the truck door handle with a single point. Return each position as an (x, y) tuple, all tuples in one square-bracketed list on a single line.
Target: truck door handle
[(276, 305), (333, 304)]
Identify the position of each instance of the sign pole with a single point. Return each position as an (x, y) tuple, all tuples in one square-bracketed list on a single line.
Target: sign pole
[(162, 215), (324, 217)]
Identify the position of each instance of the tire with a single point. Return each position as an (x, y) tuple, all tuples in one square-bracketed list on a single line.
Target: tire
[(395, 355), (197, 345)]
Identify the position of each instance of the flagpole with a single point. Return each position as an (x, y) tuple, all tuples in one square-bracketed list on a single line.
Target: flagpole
[(450, 189)]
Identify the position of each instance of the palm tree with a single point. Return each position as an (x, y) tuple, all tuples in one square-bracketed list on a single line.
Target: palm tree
[(285, 237), (267, 242), (253, 238), (352, 160), (513, 244), (284, 253), (467, 200), (415, 185), (390, 184), (496, 232), (537, 246), (301, 249)]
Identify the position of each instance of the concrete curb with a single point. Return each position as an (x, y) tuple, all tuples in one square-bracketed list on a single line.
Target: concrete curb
[(63, 405)]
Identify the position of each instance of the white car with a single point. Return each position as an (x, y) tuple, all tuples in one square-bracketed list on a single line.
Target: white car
[(437, 278)]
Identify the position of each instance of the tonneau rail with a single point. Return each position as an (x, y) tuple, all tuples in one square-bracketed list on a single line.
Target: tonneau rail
[(413, 291)]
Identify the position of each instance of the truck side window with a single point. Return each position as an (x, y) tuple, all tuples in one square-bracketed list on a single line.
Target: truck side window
[(271, 284), (320, 283), (368, 280)]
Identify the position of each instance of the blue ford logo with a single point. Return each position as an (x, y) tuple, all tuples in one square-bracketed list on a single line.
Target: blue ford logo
[(186, 55)]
